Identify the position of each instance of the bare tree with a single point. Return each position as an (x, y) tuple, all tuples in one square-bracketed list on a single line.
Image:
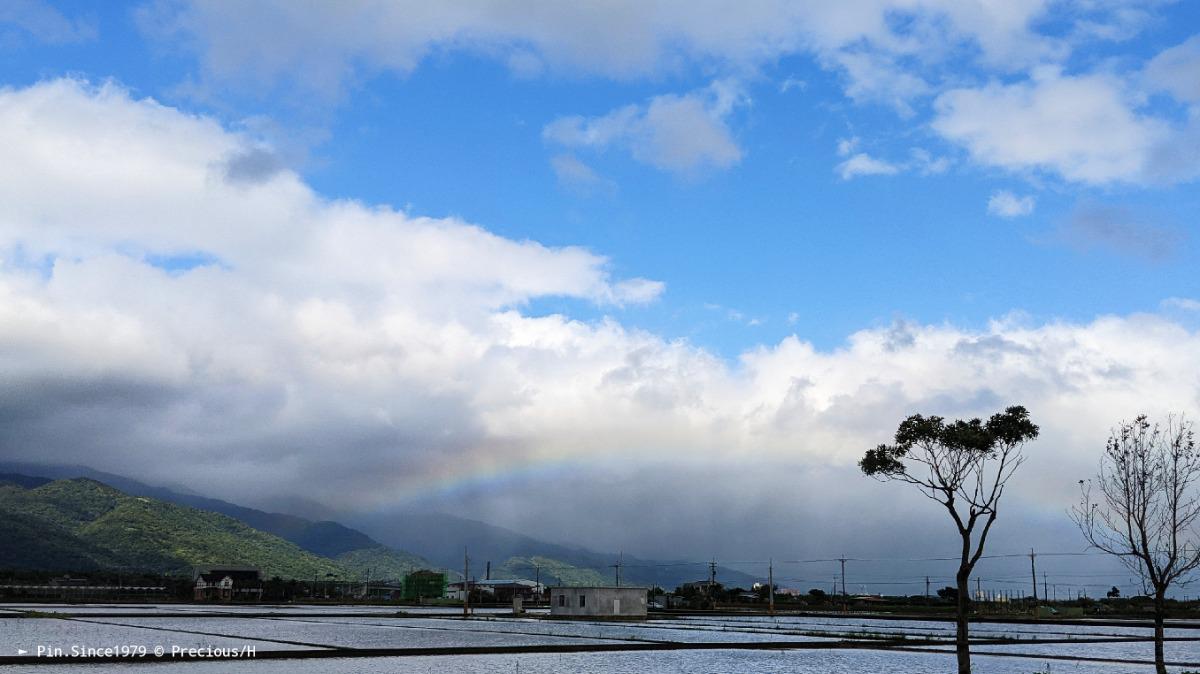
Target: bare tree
[(1147, 506), (963, 465)]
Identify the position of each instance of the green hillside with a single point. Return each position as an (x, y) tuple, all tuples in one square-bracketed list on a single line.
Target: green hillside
[(81, 524), (31, 543), (382, 563), (553, 572)]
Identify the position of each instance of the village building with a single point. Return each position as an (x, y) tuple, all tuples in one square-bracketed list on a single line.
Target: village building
[(228, 583), (384, 591), (702, 587), (598, 602), (494, 590)]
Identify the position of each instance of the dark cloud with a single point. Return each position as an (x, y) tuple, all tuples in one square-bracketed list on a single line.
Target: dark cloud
[(991, 347), (742, 513)]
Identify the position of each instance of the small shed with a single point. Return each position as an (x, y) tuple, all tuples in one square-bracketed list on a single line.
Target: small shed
[(598, 602)]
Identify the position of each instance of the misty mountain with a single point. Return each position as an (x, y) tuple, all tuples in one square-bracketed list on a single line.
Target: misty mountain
[(443, 539), (415, 537), (25, 481)]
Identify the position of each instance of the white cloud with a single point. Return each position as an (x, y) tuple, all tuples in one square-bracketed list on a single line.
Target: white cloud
[(682, 134), (303, 297), (923, 162), (576, 175), (879, 45), (389, 354), (1083, 128), (1008, 205), (863, 164), (791, 83), (875, 78), (636, 291), (1177, 71), (45, 23), (1181, 303), (898, 53)]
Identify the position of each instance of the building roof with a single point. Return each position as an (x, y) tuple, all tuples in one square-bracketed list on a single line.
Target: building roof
[(238, 577)]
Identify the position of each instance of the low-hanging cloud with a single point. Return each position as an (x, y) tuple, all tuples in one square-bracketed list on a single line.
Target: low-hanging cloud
[(362, 356)]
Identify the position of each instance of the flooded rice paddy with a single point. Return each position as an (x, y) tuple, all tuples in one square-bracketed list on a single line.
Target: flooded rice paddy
[(290, 639)]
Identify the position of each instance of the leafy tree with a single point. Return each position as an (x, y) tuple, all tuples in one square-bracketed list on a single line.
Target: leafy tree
[(948, 592), (1147, 508), (1114, 593), (964, 466)]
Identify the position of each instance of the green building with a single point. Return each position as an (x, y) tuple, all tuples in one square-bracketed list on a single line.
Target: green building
[(424, 584)]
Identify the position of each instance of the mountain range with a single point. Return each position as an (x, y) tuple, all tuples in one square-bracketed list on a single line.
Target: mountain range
[(93, 528)]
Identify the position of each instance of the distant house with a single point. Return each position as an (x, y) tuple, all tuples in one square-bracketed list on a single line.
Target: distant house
[(384, 591), (502, 591), (424, 584), (228, 583), (598, 602), (701, 587), (505, 591), (669, 600)]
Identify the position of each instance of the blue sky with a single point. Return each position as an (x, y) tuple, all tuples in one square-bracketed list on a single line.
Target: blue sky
[(771, 244), (506, 259)]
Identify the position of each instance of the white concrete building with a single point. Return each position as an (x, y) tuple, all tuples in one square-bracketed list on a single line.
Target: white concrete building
[(598, 602)]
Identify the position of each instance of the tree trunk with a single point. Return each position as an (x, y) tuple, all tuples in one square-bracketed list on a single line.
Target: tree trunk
[(1160, 609), (962, 647)]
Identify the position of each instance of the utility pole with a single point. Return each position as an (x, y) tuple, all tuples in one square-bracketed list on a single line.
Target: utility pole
[(712, 580), (617, 568), (771, 584), (537, 581), (1033, 570), (845, 605), (466, 584), (1045, 594), (927, 587)]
